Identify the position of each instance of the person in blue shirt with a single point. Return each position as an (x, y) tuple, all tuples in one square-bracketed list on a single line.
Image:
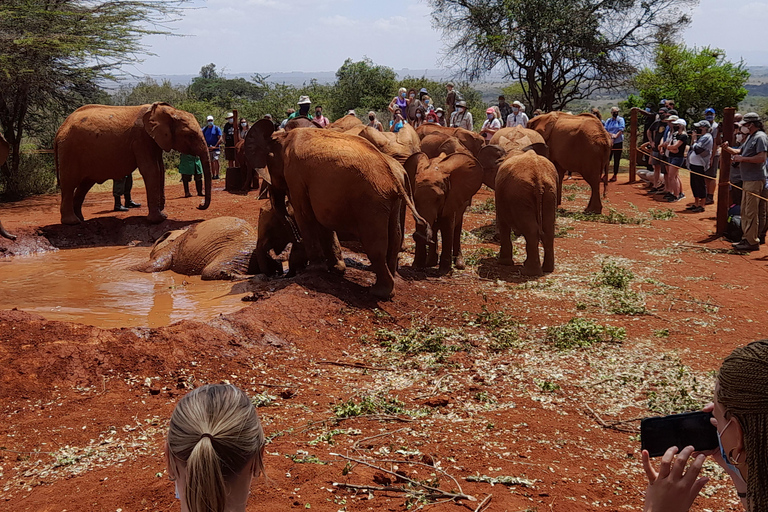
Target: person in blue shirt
[(615, 127), (212, 134)]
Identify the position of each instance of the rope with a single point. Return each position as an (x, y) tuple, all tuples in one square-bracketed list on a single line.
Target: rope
[(699, 174)]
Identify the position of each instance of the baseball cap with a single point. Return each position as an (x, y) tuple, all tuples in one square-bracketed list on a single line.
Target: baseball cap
[(710, 110), (702, 124), (209, 118), (751, 117), (679, 122), (489, 110)]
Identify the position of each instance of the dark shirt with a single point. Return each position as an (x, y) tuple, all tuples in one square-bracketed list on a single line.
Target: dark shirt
[(756, 143), (681, 150), (450, 99), (657, 131), (229, 134), (505, 109)]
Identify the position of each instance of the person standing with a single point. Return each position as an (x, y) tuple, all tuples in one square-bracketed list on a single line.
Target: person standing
[(122, 188), (714, 162), (462, 118), (373, 122), (450, 100), (650, 118), (517, 117), (413, 104), (698, 160), (320, 118), (676, 143), (189, 167), (751, 158), (491, 125), (615, 127), (228, 139), (244, 127), (304, 105), (399, 102), (212, 134), (504, 109)]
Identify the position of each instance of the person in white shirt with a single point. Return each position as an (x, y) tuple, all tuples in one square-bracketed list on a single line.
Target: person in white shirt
[(491, 125), (517, 117)]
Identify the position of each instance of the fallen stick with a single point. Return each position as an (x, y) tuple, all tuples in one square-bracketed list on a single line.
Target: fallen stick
[(482, 503), (355, 365), (276, 385), (613, 425), (434, 490), (354, 446), (388, 488)]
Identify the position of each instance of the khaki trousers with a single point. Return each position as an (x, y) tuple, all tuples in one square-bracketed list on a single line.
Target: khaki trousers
[(753, 210)]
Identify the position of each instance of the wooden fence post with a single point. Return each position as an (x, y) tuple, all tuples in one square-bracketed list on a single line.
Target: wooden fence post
[(632, 144), (723, 184)]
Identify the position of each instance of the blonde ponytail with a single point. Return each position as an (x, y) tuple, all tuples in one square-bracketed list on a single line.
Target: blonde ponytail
[(215, 432)]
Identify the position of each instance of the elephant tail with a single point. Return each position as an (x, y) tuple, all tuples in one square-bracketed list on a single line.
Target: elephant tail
[(540, 210), (423, 229), (56, 160)]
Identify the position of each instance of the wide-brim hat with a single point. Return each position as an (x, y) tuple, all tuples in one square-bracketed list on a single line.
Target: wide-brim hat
[(304, 100), (517, 103), (751, 117), (672, 118), (461, 103)]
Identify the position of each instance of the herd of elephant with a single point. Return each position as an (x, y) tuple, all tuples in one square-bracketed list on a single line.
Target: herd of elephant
[(346, 181)]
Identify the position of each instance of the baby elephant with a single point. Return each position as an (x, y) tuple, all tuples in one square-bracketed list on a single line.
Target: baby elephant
[(221, 248)]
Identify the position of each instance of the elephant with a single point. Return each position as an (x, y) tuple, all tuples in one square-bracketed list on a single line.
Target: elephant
[(220, 248), (526, 203), (99, 142), (301, 122), (337, 182), (5, 150), (435, 143), (345, 123), (576, 143), (471, 140), (250, 178), (399, 146), (521, 137), (443, 191), (275, 233)]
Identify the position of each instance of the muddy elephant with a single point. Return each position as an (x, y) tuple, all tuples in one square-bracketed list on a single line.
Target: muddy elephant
[(436, 143), (345, 123), (275, 233), (5, 150), (576, 143), (471, 140), (98, 143), (444, 187), (250, 177), (526, 204), (220, 248), (520, 137), (400, 145), (336, 182)]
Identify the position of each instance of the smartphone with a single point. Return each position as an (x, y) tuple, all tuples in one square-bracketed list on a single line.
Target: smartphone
[(688, 429)]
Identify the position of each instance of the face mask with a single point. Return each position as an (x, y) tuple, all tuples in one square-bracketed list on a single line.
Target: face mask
[(615, 114), (230, 120), (439, 114), (490, 117), (426, 102), (413, 96), (210, 123), (371, 117), (744, 130), (402, 95), (318, 114), (709, 118), (515, 110), (727, 461), (647, 109), (418, 115)]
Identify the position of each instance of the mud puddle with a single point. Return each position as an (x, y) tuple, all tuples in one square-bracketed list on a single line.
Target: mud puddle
[(94, 286)]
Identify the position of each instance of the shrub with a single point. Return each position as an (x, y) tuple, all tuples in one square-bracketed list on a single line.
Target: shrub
[(583, 332), (613, 275)]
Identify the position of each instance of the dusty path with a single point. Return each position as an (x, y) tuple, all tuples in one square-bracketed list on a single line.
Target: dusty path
[(453, 379)]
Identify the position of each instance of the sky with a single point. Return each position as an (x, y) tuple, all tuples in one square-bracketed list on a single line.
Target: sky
[(250, 36)]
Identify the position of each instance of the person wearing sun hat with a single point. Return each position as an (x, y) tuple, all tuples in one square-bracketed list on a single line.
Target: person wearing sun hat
[(751, 157), (714, 160), (517, 117), (698, 160), (491, 125), (304, 104)]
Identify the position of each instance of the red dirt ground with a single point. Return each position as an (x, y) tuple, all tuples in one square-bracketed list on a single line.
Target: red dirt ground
[(86, 408)]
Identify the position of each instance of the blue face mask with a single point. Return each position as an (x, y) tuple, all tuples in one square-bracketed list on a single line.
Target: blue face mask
[(728, 463), (709, 117)]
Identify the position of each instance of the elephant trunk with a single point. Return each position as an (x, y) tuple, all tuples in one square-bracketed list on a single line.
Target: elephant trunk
[(205, 158)]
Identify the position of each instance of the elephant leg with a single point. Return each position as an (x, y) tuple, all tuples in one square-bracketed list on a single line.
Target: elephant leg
[(297, 260), (329, 243), (505, 233), (67, 207), (595, 204), (560, 176), (153, 171), (375, 241), (6, 234), (79, 197), (420, 259), (548, 232), (432, 245), (532, 265), (447, 232), (458, 258), (395, 237)]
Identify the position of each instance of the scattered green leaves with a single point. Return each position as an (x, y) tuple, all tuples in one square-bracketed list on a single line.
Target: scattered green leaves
[(583, 332)]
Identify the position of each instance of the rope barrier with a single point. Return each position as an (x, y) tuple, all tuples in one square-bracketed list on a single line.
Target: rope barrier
[(698, 173)]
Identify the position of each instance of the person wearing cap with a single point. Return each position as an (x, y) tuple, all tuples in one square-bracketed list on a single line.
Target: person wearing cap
[(615, 127), (320, 118), (504, 108), (698, 160), (671, 146), (373, 122), (228, 139), (423, 92), (450, 100), (714, 161), (462, 118), (517, 117), (491, 125), (399, 102), (655, 134), (212, 134), (440, 116), (351, 112), (304, 105), (751, 157), (650, 117)]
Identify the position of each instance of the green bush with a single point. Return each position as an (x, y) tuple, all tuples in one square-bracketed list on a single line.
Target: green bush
[(613, 275), (583, 332)]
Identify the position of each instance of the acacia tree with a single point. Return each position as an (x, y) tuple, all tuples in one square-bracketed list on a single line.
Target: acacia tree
[(557, 50), (696, 78), (54, 53), (363, 84)]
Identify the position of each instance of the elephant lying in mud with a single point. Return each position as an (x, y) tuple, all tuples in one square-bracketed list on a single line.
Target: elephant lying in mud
[(5, 149), (222, 248)]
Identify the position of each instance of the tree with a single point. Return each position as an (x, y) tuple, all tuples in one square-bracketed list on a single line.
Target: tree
[(557, 50), (695, 78), (363, 85), (224, 92), (149, 91), (55, 53)]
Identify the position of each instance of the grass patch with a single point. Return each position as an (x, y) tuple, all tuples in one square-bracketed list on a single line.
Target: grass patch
[(661, 213), (473, 258), (675, 390), (489, 205), (439, 341), (661, 333), (486, 234), (583, 332), (613, 293), (562, 231), (373, 405), (501, 327), (612, 217), (547, 386), (613, 275)]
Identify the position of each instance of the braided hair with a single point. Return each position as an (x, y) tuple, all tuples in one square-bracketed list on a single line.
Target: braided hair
[(743, 392)]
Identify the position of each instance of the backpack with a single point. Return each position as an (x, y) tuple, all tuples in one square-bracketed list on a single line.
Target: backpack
[(733, 231)]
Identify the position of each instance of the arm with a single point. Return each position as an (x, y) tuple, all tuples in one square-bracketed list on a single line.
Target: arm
[(672, 488), (757, 159)]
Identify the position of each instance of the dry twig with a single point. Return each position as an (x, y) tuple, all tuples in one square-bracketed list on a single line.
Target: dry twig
[(482, 504), (355, 365)]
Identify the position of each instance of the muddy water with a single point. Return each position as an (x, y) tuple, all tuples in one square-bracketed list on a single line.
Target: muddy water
[(94, 286)]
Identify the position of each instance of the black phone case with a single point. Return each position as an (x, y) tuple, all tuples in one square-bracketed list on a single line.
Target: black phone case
[(688, 429)]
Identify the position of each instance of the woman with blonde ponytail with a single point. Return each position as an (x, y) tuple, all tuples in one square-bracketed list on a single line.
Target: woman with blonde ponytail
[(215, 447), (740, 410)]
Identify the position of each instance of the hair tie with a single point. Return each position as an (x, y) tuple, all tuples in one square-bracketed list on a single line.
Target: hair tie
[(209, 436)]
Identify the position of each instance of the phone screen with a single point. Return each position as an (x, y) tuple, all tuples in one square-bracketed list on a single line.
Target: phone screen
[(688, 429)]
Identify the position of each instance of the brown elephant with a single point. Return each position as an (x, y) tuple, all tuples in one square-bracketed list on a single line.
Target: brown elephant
[(220, 248), (526, 203), (521, 136), (443, 191), (399, 146), (5, 150), (250, 177), (301, 122), (471, 140), (436, 143), (576, 143), (98, 143), (275, 233), (336, 182), (345, 123)]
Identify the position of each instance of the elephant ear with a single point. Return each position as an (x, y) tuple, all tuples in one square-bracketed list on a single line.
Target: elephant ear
[(257, 147), (465, 179), (544, 124), (158, 123), (415, 163), (375, 137), (539, 148), (490, 157)]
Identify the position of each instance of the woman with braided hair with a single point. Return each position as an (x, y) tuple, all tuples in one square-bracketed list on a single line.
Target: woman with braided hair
[(740, 412), (214, 449)]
